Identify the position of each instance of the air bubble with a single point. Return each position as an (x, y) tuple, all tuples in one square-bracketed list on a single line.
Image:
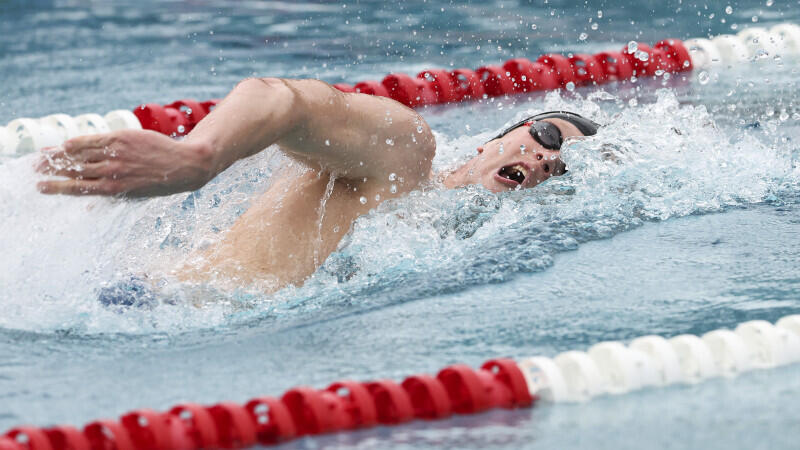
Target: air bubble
[(583, 37), (594, 26), (570, 86), (703, 77), (392, 176), (770, 3), (600, 14), (363, 200), (327, 142), (419, 128), (632, 47), (377, 197), (728, 9), (522, 149), (393, 189), (389, 141)]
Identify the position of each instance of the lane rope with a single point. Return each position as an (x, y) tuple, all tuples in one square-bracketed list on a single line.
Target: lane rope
[(607, 368), (439, 86)]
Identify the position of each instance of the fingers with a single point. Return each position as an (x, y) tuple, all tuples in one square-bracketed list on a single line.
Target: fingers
[(77, 170), (78, 144), (77, 187), (82, 148), (59, 158)]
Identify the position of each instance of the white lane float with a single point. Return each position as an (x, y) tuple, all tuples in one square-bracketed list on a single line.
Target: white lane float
[(613, 368), (122, 119)]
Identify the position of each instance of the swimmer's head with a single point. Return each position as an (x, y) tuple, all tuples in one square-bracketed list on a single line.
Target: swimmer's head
[(524, 154)]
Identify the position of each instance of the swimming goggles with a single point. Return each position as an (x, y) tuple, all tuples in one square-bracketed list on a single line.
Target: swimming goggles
[(547, 134)]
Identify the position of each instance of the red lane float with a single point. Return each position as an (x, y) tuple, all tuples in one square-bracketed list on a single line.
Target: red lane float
[(559, 66), (302, 411), (587, 70), (615, 66)]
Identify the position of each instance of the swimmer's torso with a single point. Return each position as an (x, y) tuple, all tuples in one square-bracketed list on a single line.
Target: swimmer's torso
[(287, 232)]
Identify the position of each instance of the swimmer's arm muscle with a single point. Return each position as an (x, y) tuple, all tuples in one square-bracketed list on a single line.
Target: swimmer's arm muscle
[(353, 135)]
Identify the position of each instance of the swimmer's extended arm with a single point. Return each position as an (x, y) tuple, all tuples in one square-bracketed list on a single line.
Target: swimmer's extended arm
[(353, 135)]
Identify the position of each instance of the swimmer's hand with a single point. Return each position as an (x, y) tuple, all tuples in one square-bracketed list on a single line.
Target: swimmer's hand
[(133, 163)]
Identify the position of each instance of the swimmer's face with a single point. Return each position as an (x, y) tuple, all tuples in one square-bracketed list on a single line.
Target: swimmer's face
[(514, 161)]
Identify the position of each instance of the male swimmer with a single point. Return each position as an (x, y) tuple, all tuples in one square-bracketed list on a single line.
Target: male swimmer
[(355, 146)]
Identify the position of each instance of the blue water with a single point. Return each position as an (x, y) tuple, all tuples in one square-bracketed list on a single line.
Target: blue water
[(652, 231)]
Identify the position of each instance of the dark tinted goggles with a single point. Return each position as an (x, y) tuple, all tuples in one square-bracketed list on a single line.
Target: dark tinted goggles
[(546, 134)]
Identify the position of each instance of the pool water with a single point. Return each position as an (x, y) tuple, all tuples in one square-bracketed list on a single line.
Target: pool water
[(680, 216)]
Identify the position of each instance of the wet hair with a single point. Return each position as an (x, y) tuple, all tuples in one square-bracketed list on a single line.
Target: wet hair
[(584, 125)]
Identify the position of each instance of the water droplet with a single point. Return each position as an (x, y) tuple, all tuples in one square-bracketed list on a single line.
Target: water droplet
[(754, 18), (570, 86), (594, 26), (389, 141), (377, 197), (784, 116), (703, 77), (583, 37), (181, 128), (553, 157), (522, 149), (419, 128), (393, 189), (770, 2), (633, 46), (633, 102), (600, 14), (728, 9), (327, 142), (363, 200), (501, 149), (642, 56)]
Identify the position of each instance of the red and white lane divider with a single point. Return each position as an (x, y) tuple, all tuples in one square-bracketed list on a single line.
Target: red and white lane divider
[(518, 75), (607, 368)]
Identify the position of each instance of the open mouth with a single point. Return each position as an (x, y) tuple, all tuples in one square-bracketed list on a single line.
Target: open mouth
[(513, 175)]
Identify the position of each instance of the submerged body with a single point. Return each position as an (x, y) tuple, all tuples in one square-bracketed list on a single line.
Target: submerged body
[(356, 151)]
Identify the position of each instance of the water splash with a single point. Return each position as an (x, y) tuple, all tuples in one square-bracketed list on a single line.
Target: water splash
[(653, 161)]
